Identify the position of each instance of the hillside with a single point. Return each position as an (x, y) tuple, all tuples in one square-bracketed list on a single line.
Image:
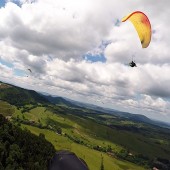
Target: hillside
[(18, 96), (20, 149), (117, 113), (97, 109), (119, 139), (59, 101)]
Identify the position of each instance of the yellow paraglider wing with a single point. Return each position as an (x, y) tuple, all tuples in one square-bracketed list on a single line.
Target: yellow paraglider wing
[(142, 26)]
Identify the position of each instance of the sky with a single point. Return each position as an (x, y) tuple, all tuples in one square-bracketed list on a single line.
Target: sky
[(80, 49)]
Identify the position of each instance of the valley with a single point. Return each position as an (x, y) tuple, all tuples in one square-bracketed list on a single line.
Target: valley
[(91, 134)]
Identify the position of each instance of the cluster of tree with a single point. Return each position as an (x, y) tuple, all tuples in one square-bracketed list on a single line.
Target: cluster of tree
[(27, 109), (38, 124), (59, 130), (103, 149), (19, 149), (127, 128), (102, 165), (75, 139), (135, 158), (161, 163), (95, 147)]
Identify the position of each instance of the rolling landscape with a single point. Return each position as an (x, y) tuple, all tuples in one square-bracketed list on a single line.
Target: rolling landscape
[(98, 135)]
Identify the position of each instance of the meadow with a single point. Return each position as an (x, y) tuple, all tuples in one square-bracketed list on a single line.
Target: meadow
[(93, 135), (41, 115)]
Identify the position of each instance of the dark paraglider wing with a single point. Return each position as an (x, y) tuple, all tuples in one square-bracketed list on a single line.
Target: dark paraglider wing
[(30, 70)]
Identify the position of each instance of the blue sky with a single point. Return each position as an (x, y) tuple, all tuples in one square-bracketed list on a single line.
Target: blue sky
[(6, 63), (97, 54), (96, 58), (21, 73), (17, 72), (2, 3)]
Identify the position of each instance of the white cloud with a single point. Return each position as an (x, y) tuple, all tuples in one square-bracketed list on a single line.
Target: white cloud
[(51, 37), (5, 71)]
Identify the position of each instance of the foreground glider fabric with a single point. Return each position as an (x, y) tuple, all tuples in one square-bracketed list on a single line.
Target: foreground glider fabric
[(65, 160), (142, 26)]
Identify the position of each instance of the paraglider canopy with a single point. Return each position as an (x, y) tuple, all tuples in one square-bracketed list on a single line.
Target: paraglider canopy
[(142, 26), (29, 70)]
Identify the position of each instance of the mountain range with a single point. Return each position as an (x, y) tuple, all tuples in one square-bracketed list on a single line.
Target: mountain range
[(13, 94)]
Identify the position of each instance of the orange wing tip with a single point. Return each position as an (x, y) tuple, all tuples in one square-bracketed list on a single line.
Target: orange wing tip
[(125, 18), (145, 46), (129, 15)]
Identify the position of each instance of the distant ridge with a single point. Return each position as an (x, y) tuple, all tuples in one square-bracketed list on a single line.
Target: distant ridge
[(19, 96), (59, 100)]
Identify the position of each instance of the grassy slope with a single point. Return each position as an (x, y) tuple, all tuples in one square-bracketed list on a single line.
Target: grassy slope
[(19, 96), (93, 133), (99, 135), (92, 157), (86, 129), (71, 127), (133, 141), (6, 108)]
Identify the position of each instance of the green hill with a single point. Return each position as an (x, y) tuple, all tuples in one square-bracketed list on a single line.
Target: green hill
[(80, 129), (20, 149), (18, 96), (59, 101)]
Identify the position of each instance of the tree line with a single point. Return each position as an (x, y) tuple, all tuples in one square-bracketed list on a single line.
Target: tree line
[(19, 149)]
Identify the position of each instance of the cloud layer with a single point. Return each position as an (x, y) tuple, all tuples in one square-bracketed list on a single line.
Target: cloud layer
[(53, 38)]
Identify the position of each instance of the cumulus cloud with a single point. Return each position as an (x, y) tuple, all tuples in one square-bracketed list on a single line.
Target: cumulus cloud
[(53, 38), (50, 28)]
